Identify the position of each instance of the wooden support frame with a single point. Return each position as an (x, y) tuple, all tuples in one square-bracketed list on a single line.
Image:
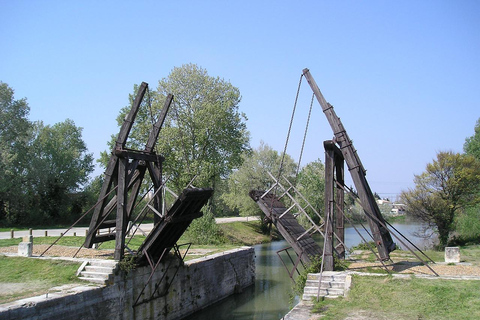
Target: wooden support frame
[(125, 172), (382, 237)]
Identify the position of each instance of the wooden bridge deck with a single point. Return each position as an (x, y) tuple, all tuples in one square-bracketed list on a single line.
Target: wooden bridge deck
[(171, 227), (296, 235)]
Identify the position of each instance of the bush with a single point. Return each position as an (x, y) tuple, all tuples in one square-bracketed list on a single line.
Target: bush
[(204, 230), (467, 227)]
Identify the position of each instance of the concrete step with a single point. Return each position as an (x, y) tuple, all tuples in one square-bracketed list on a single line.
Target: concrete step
[(330, 291), (94, 280), (327, 276), (326, 284), (99, 275), (103, 263), (99, 269), (333, 285)]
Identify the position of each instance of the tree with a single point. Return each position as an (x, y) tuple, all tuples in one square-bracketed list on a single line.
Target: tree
[(204, 134), (472, 144), (59, 167), (311, 184), (450, 184), (253, 174), (15, 130)]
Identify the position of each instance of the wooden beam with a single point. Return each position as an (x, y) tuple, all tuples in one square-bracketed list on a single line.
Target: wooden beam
[(128, 122), (139, 155), (381, 235), (152, 139)]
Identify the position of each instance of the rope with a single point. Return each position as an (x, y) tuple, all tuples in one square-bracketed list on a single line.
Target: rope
[(289, 129), (304, 138)]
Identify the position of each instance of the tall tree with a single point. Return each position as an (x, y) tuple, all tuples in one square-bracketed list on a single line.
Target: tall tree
[(59, 167), (204, 134), (15, 130), (449, 185), (472, 144), (253, 175)]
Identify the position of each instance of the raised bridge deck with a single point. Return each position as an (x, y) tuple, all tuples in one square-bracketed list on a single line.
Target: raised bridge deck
[(296, 235), (171, 227)]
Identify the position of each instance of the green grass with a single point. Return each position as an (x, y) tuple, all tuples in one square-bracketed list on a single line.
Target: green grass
[(414, 298), (244, 233), (10, 242), (40, 276)]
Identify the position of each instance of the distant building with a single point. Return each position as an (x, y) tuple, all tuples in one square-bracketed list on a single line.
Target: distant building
[(383, 201), (398, 208)]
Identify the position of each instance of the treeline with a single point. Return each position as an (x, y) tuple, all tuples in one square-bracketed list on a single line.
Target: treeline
[(43, 167)]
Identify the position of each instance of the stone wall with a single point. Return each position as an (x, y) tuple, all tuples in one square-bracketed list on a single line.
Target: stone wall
[(197, 284)]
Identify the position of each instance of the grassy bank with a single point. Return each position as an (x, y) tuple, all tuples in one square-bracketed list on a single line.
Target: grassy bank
[(388, 298), (22, 277)]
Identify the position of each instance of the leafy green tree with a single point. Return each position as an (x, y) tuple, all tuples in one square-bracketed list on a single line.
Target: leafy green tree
[(472, 144), (253, 174), (204, 135), (15, 132), (450, 184), (59, 167)]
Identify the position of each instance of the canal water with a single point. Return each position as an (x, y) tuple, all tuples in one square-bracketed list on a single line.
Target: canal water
[(271, 296)]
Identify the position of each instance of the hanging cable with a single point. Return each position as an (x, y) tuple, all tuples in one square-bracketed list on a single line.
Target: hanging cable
[(289, 129), (304, 138)]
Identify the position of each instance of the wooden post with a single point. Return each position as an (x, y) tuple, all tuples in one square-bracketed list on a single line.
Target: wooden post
[(339, 204), (329, 209), (121, 223)]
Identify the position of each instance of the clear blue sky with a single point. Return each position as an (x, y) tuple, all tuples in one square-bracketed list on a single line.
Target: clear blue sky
[(404, 76)]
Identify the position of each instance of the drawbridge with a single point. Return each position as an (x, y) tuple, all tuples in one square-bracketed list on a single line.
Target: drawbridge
[(329, 225), (300, 239)]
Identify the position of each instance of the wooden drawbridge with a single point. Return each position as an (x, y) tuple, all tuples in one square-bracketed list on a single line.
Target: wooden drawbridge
[(299, 239)]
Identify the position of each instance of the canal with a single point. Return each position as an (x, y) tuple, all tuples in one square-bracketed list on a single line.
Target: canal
[(271, 296)]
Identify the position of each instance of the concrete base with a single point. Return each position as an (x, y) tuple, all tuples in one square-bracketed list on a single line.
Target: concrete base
[(25, 249), (452, 254)]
